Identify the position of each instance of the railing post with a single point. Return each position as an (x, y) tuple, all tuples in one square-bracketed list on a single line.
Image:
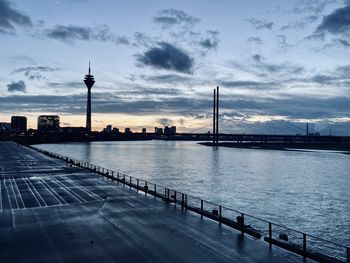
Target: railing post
[(201, 208), (270, 234), (182, 200), (304, 244), (138, 180), (112, 174), (165, 194), (168, 195), (220, 215), (242, 223), (146, 188), (124, 180), (155, 191), (130, 181), (175, 197)]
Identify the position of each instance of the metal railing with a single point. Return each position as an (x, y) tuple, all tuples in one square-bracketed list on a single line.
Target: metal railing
[(306, 245)]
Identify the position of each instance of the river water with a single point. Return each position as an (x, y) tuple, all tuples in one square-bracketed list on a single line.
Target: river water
[(307, 191)]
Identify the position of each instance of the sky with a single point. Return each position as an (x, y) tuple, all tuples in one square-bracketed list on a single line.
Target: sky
[(279, 63)]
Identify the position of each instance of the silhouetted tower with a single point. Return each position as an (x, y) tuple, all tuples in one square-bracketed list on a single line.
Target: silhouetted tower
[(216, 116), (89, 82)]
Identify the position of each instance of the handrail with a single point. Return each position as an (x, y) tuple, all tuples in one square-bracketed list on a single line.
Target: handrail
[(216, 216)]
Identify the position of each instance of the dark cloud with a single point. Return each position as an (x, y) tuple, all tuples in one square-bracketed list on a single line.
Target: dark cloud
[(19, 86), (211, 41), (72, 33), (263, 68), (260, 24), (344, 42), (168, 57), (258, 58), (171, 17), (165, 121), (338, 22), (34, 72), (10, 17), (256, 40)]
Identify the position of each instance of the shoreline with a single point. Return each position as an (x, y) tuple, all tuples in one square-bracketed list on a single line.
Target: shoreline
[(292, 147)]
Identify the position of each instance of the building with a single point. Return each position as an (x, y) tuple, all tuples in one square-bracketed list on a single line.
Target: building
[(48, 123), (108, 129), (19, 124), (170, 130), (5, 127), (144, 130), (158, 130), (128, 131)]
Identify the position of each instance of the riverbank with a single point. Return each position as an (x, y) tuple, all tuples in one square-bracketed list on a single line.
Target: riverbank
[(303, 147)]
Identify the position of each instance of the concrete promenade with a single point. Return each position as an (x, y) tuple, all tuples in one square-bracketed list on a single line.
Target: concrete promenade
[(53, 213)]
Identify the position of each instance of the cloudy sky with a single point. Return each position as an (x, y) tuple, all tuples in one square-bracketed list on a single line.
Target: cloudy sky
[(279, 63)]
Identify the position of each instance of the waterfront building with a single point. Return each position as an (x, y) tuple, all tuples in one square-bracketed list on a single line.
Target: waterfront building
[(108, 129), (158, 130), (170, 130), (19, 124), (144, 130), (48, 123)]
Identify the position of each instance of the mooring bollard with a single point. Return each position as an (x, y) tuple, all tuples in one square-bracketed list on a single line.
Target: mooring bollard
[(270, 234), (304, 245)]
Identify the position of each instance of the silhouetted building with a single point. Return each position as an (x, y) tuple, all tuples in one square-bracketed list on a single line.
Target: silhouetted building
[(48, 123), (170, 130), (89, 82), (128, 131), (19, 124), (158, 130), (73, 130), (5, 127), (115, 131), (144, 130), (108, 129)]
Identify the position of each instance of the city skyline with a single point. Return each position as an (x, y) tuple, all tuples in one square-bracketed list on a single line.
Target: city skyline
[(280, 64)]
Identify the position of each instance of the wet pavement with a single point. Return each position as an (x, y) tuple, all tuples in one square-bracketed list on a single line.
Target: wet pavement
[(50, 212)]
